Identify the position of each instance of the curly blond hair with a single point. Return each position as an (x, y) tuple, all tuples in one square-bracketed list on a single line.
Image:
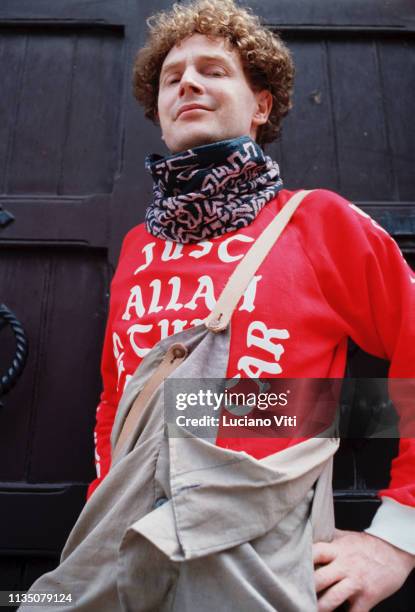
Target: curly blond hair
[(266, 60)]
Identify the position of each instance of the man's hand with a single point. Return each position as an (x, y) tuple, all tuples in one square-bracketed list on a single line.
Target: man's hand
[(359, 568)]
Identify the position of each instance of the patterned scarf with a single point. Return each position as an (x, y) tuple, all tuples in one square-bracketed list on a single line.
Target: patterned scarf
[(210, 190)]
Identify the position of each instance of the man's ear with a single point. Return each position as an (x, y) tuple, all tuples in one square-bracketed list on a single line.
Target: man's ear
[(264, 106)]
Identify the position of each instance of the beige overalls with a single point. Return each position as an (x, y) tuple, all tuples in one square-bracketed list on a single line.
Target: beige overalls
[(180, 524)]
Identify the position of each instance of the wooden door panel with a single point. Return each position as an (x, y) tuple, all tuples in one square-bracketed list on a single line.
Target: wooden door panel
[(308, 146), (16, 268), (397, 60), (343, 14), (46, 427), (67, 12), (79, 221), (91, 154), (69, 381), (363, 151), (11, 60), (64, 135), (35, 148), (341, 135)]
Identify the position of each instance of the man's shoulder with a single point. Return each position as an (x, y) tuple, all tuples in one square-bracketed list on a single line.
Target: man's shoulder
[(329, 209), (325, 217), (319, 200)]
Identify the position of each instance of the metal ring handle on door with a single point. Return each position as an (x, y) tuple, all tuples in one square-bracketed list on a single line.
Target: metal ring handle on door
[(10, 378)]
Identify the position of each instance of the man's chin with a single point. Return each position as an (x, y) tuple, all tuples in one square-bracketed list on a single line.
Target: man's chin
[(198, 140)]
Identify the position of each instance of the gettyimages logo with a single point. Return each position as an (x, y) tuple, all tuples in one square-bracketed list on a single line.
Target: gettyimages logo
[(290, 408)]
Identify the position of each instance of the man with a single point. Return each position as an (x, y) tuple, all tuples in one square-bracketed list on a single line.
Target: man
[(217, 82)]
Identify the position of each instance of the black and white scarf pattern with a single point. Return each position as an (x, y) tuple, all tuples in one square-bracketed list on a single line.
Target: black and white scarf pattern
[(210, 190)]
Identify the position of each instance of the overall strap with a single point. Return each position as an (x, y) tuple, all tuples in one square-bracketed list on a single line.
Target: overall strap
[(239, 280)]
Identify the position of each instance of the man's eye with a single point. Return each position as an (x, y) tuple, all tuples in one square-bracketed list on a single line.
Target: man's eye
[(215, 73)]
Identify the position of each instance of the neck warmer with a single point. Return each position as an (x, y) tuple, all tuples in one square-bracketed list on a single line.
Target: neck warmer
[(210, 190)]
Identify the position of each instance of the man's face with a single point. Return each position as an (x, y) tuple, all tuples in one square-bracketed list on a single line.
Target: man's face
[(207, 75)]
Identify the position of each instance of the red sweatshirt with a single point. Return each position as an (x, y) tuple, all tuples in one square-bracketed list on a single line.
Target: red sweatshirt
[(334, 273)]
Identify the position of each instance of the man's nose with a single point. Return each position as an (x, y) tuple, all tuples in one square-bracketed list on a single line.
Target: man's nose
[(190, 83)]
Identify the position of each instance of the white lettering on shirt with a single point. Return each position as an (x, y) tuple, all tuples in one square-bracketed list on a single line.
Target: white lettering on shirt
[(148, 251), (204, 291), (223, 253)]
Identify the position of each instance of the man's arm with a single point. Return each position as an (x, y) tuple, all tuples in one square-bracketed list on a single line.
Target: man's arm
[(108, 404), (372, 290), (106, 410)]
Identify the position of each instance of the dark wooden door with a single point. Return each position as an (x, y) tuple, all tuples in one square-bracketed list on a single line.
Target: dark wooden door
[(72, 147)]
